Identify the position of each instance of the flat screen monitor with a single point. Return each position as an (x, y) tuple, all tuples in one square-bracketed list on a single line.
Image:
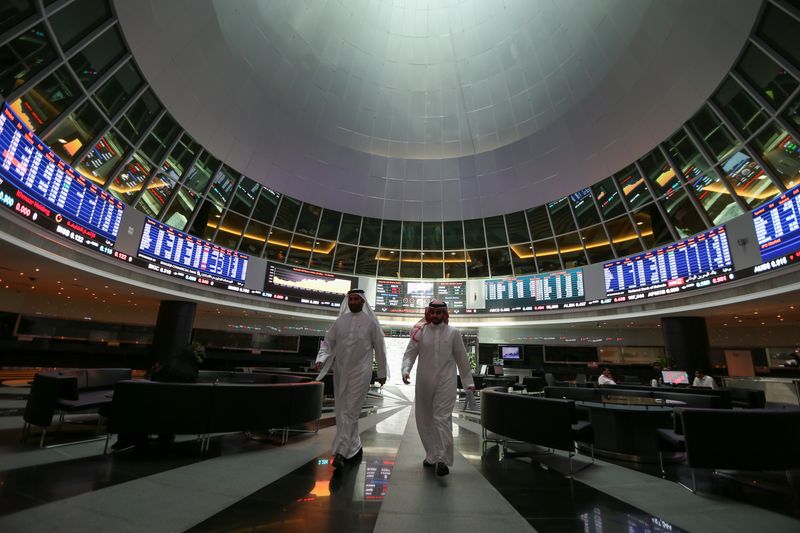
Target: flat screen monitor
[(498, 370), (510, 353), (484, 370), (675, 377)]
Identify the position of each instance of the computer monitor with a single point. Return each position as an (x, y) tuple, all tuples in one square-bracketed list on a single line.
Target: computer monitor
[(484, 370), (510, 353), (498, 370), (675, 377)]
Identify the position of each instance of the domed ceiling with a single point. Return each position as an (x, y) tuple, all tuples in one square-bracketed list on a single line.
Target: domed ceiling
[(433, 109)]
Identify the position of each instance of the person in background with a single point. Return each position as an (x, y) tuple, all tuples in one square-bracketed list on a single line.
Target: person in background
[(440, 349), (350, 342), (703, 380), (606, 378)]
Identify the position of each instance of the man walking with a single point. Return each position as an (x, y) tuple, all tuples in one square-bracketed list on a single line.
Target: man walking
[(440, 350), (350, 343)]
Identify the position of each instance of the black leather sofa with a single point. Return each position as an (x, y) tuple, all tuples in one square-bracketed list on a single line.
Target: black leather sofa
[(68, 391), (279, 402), (545, 422)]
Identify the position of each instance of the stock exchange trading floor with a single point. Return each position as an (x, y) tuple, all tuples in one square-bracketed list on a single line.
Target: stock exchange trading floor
[(251, 482)]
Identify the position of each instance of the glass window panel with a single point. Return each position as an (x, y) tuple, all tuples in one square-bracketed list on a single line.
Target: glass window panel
[(500, 262), (222, 187), (523, 259), (230, 230), (345, 259), (766, 76), (453, 235), (517, 227), (391, 233), (608, 199), (300, 251), (14, 12), (329, 224), (633, 187), (739, 107), (322, 256), (596, 244), (200, 174), (477, 264), (267, 205), (660, 174), (158, 141), (308, 220), (206, 219), (432, 236), (781, 152), (538, 222), (350, 228), (389, 264), (254, 238), (652, 226), (74, 131), (781, 32), (181, 157), (97, 57), (412, 235), (410, 264), (246, 194), (45, 102), (748, 179), (792, 112), (571, 250), (473, 233), (287, 213), (23, 57), (546, 255), (181, 208), (495, 231), (454, 266), (584, 208), (78, 19), (561, 216), (131, 178), (98, 164), (716, 136), (156, 194), (370, 232), (119, 89), (278, 245), (139, 117), (685, 218), (367, 261), (623, 236), (432, 265), (713, 195)]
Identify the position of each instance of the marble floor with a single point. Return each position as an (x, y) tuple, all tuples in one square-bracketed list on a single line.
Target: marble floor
[(252, 483)]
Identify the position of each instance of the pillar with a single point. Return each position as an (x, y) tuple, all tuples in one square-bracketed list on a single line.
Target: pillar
[(686, 342), (173, 328)]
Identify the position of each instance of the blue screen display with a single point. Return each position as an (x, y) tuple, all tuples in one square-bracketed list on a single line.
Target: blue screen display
[(522, 292), (778, 225)]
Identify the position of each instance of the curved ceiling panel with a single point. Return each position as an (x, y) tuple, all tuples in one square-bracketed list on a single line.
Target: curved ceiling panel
[(433, 109)]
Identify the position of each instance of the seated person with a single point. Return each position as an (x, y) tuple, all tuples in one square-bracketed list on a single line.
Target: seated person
[(702, 380), (606, 378)]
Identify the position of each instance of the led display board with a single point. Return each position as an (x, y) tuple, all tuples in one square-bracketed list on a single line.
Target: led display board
[(173, 252), (398, 296), (777, 225), (687, 262), (306, 286), (534, 292), (38, 185)]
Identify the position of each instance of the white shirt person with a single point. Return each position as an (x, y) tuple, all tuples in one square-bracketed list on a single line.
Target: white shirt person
[(350, 342), (703, 380), (440, 350), (605, 378)]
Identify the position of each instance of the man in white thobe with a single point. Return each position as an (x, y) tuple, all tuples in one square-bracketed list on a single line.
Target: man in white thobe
[(440, 350), (350, 342)]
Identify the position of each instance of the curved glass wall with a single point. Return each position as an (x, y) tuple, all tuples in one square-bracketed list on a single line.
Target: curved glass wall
[(68, 74)]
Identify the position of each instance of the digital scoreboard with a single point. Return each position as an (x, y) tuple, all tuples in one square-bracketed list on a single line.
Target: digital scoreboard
[(398, 296), (306, 286), (38, 185), (777, 225), (534, 292), (173, 252)]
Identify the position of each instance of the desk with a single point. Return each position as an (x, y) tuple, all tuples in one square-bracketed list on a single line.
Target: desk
[(639, 400)]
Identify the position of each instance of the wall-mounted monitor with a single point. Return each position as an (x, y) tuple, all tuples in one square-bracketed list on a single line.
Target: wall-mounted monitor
[(777, 226), (510, 353), (303, 285), (675, 377), (534, 292), (397, 296)]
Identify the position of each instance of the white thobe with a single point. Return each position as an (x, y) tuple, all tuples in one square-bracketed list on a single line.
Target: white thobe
[(707, 382), (351, 340), (602, 380), (440, 350)]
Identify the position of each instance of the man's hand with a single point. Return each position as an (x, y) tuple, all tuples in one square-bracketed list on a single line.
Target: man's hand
[(382, 381), (318, 365), (471, 388), (406, 378)]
